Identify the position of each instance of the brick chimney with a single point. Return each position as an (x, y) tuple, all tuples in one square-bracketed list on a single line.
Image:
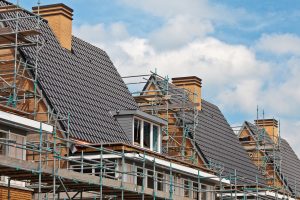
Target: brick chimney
[(271, 127), (193, 85), (59, 17)]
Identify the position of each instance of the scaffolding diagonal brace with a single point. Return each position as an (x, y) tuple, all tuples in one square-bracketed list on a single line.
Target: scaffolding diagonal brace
[(63, 185)]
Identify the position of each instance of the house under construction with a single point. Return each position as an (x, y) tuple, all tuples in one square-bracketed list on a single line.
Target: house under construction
[(71, 129)]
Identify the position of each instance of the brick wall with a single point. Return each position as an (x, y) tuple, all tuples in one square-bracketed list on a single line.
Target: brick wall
[(15, 194)]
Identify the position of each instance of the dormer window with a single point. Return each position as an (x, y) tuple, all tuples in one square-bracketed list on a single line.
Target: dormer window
[(146, 134), (137, 132), (143, 129), (156, 137)]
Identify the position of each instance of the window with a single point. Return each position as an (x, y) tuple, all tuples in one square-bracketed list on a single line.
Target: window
[(150, 179), (203, 193), (139, 176), (155, 179), (176, 185), (160, 182), (195, 191), (2, 146), (186, 189), (146, 135), (137, 132), (155, 138)]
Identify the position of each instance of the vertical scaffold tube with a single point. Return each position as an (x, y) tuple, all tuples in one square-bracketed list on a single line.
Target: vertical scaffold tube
[(171, 183), (40, 161), (54, 163), (101, 171)]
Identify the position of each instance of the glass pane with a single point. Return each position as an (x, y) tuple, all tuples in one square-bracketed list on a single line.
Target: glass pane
[(150, 180), (195, 191), (160, 182), (139, 179), (203, 194), (176, 185), (2, 146), (155, 138), (147, 127), (186, 188), (137, 132)]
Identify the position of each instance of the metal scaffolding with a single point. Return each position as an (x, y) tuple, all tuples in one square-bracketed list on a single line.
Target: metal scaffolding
[(173, 104), (51, 174), (18, 76), (265, 151), (52, 169)]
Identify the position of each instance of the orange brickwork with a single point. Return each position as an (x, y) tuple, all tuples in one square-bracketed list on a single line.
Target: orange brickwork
[(15, 194)]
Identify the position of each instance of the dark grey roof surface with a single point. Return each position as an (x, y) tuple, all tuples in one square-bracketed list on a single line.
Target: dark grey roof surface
[(217, 142), (290, 163), (83, 83), (290, 166)]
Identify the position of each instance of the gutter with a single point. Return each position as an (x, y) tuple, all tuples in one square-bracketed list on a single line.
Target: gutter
[(18, 121), (180, 168)]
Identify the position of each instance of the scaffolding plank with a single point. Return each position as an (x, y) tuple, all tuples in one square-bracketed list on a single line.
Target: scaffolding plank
[(12, 46), (7, 35), (186, 105), (70, 177)]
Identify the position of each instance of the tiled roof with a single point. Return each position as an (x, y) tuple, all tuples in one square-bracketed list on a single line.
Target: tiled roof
[(290, 166), (83, 83), (217, 143), (290, 163)]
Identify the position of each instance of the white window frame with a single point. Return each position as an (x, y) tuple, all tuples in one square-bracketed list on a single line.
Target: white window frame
[(141, 132), (158, 138), (151, 134)]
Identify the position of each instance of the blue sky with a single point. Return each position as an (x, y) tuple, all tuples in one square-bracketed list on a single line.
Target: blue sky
[(246, 52)]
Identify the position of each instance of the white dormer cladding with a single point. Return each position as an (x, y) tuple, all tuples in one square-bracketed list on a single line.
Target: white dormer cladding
[(143, 130)]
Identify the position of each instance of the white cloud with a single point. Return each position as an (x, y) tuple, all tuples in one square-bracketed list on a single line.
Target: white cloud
[(100, 32), (166, 9), (179, 30), (279, 44), (231, 73), (291, 133), (233, 76)]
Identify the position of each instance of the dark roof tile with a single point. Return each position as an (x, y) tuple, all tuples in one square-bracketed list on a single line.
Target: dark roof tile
[(290, 163), (217, 141), (84, 83)]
